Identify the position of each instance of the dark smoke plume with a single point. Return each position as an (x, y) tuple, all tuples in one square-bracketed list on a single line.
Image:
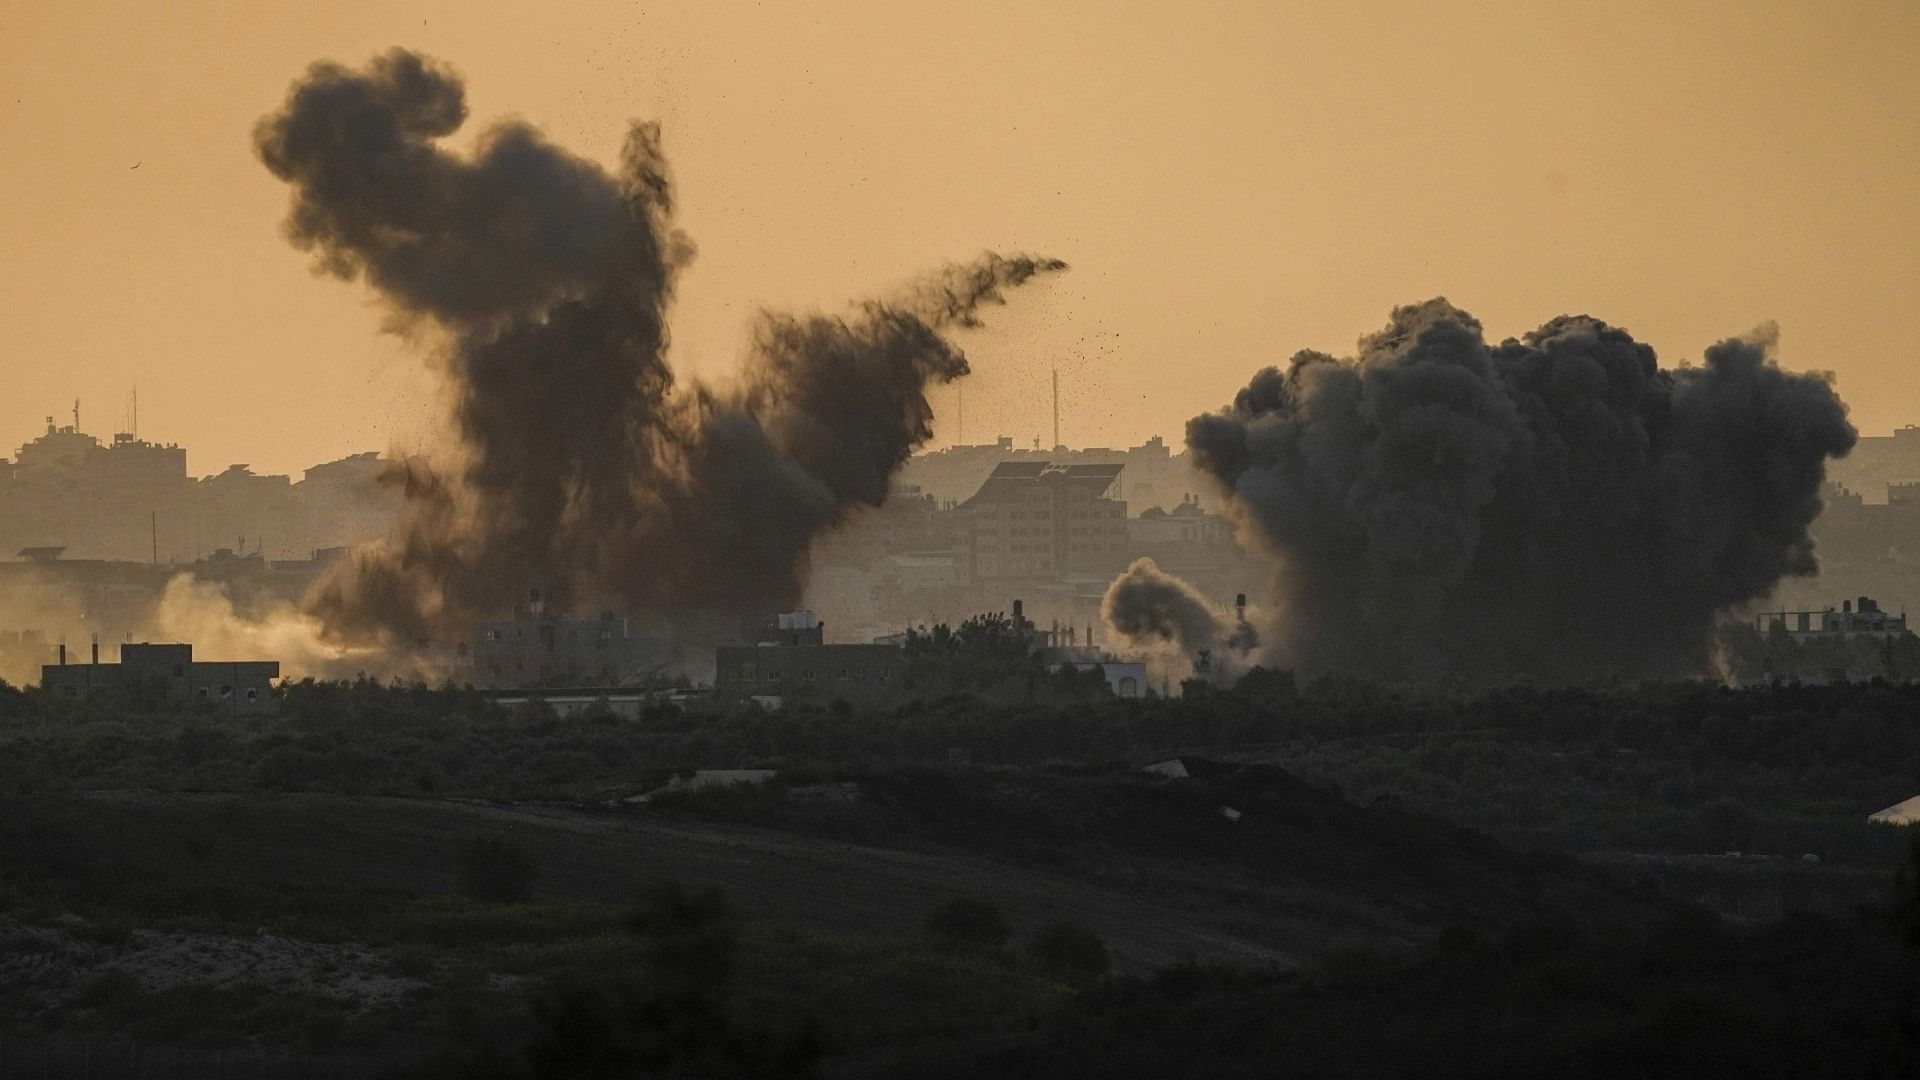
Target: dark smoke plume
[(1556, 507), (1151, 608), (589, 472)]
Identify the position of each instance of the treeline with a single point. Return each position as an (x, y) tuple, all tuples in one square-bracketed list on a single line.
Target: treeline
[(365, 736)]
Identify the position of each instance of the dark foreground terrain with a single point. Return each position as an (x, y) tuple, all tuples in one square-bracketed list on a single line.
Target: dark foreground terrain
[(387, 882)]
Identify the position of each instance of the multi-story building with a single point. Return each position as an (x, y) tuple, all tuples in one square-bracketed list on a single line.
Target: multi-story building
[(1155, 475), (542, 648), (790, 659), (1037, 520), (166, 674), (345, 503), (130, 500), (1878, 461), (245, 511), (124, 500), (1864, 548), (1864, 620)]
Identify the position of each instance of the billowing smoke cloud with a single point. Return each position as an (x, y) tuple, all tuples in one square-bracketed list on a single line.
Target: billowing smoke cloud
[(1556, 507), (202, 613), (56, 611), (589, 472), (1156, 611)]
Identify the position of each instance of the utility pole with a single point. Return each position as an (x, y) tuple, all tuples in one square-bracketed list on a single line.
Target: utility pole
[(1056, 408)]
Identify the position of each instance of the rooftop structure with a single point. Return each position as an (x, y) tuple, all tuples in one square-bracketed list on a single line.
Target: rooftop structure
[(165, 673), (1034, 519), (790, 658), (540, 648), (134, 500), (1155, 475), (1850, 621)]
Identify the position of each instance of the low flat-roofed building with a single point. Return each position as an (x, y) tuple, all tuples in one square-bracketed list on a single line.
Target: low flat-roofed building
[(539, 648), (860, 674), (626, 701), (153, 674), (1865, 620)]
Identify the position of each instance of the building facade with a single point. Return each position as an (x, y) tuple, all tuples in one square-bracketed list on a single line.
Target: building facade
[(129, 500), (790, 659), (1035, 520), (1864, 619), (154, 674), (538, 648)]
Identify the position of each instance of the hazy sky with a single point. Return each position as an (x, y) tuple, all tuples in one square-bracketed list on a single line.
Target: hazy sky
[(1232, 182)]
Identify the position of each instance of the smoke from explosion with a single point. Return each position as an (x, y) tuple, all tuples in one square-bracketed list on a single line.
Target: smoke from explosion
[(1556, 507), (1156, 611), (545, 282), (186, 609)]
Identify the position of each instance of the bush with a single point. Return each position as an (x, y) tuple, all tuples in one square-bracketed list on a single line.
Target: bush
[(1728, 825), (968, 921), (496, 871), (1068, 946)]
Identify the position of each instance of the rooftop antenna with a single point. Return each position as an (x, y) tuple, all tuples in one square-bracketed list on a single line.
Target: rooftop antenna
[(1056, 408), (76, 414)]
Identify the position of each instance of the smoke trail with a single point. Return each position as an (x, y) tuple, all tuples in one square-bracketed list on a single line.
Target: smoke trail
[(589, 472), (1556, 507), (1155, 610)]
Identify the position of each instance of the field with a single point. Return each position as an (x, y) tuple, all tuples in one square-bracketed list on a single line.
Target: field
[(303, 889)]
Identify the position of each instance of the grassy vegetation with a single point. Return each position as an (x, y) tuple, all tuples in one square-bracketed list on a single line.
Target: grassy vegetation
[(1690, 997), (469, 926)]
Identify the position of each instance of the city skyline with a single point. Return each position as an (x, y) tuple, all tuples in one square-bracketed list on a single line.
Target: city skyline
[(1224, 193)]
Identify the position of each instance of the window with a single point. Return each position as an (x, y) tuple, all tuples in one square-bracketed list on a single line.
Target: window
[(253, 695), (773, 674)]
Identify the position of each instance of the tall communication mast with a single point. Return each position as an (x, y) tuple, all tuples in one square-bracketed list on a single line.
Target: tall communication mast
[(1056, 408)]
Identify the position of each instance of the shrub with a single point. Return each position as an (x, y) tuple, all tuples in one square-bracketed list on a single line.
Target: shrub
[(494, 870), (1068, 946), (968, 921), (1728, 824)]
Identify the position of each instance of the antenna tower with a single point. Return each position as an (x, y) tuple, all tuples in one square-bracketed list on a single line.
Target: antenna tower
[(1056, 408)]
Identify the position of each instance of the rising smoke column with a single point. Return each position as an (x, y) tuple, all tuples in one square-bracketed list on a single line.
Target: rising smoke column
[(1556, 507), (544, 282), (1158, 611)]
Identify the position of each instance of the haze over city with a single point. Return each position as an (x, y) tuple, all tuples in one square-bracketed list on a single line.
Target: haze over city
[(1230, 182), (919, 542)]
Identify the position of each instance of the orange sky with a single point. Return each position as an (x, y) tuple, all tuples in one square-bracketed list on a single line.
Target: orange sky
[(1231, 182)]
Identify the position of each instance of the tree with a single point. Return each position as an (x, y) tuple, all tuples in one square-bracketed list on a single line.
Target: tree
[(968, 921), (496, 871), (672, 1016), (1069, 946), (1728, 823)]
